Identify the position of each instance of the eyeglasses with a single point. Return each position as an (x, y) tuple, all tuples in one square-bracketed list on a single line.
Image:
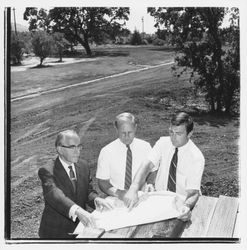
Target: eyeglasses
[(72, 147)]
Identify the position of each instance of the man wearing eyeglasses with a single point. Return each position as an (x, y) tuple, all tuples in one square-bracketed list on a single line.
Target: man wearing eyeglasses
[(179, 162), (67, 189)]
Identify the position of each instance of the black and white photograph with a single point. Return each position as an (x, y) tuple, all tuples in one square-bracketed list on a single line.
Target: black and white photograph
[(124, 123)]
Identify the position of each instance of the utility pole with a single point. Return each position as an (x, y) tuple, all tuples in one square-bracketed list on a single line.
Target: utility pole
[(142, 27), (15, 22)]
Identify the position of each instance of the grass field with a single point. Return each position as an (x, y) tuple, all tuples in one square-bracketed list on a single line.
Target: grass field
[(152, 95)]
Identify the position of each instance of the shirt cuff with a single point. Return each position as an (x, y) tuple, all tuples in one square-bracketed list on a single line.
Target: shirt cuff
[(72, 214)]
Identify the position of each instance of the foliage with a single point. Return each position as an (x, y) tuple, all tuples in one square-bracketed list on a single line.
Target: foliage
[(16, 48), (25, 37), (79, 24), (60, 44), (42, 45), (197, 35), (136, 38)]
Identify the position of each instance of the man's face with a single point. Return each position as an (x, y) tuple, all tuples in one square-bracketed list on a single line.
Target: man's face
[(178, 135), (70, 155), (126, 132)]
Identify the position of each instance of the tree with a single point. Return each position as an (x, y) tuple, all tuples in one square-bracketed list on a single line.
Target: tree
[(80, 24), (17, 47), (197, 35), (60, 44), (42, 45), (136, 38)]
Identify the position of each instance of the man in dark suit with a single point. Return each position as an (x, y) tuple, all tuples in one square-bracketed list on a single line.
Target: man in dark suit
[(67, 189)]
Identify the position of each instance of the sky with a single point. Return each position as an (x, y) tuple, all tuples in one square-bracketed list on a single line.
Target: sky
[(135, 19)]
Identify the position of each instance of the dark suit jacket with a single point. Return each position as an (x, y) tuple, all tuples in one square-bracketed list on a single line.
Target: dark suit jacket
[(59, 197)]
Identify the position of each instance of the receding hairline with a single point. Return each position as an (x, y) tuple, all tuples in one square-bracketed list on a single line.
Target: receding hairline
[(63, 134), (125, 118)]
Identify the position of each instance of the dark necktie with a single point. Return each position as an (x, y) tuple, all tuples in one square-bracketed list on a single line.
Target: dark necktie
[(72, 178), (128, 171), (171, 186)]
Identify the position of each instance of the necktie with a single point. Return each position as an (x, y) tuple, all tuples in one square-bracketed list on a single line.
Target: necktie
[(171, 186), (128, 171), (72, 177)]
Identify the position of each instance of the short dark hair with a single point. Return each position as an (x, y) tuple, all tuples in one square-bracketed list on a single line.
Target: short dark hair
[(181, 118), (124, 117), (61, 135)]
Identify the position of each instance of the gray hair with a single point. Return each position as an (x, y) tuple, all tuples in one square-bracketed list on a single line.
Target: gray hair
[(63, 134), (125, 117)]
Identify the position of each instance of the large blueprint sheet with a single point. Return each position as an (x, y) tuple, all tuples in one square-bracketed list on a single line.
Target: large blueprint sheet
[(153, 206)]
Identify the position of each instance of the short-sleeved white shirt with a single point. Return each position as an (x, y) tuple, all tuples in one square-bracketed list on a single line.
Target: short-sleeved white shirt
[(112, 160), (190, 165)]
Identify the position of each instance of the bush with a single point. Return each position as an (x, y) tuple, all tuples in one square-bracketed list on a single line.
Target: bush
[(136, 38), (158, 42), (16, 49)]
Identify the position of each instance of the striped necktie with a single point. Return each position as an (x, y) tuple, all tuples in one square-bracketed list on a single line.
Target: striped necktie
[(171, 186), (72, 178), (128, 171)]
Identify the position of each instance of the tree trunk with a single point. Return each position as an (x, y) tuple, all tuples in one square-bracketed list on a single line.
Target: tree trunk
[(41, 61), (212, 105), (85, 44), (60, 57), (87, 48)]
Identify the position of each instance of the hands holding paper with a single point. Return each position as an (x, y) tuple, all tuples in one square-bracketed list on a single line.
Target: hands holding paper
[(184, 210), (86, 218), (131, 198), (102, 204)]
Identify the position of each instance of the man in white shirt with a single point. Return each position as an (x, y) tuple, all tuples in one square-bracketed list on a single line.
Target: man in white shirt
[(119, 160), (179, 162), (67, 189)]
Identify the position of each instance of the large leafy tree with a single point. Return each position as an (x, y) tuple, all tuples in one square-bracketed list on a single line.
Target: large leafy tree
[(42, 45), (197, 35), (79, 23)]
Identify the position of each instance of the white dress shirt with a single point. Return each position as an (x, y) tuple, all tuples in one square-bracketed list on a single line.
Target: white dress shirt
[(190, 165), (112, 160)]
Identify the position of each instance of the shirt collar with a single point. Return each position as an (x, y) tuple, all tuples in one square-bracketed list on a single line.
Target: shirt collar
[(184, 147), (65, 164), (124, 145)]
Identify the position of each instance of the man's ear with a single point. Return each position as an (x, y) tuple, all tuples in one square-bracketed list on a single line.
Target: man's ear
[(58, 148), (135, 127), (190, 134)]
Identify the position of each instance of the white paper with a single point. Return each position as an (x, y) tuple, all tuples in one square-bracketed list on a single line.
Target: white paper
[(153, 207)]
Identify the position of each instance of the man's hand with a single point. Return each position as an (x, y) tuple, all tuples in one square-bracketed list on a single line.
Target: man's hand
[(85, 217), (131, 199), (102, 204), (120, 194), (149, 188), (185, 213)]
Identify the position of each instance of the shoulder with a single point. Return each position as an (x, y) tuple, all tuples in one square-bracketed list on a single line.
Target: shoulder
[(82, 163), (110, 146), (195, 151), (163, 140), (141, 142), (49, 166)]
